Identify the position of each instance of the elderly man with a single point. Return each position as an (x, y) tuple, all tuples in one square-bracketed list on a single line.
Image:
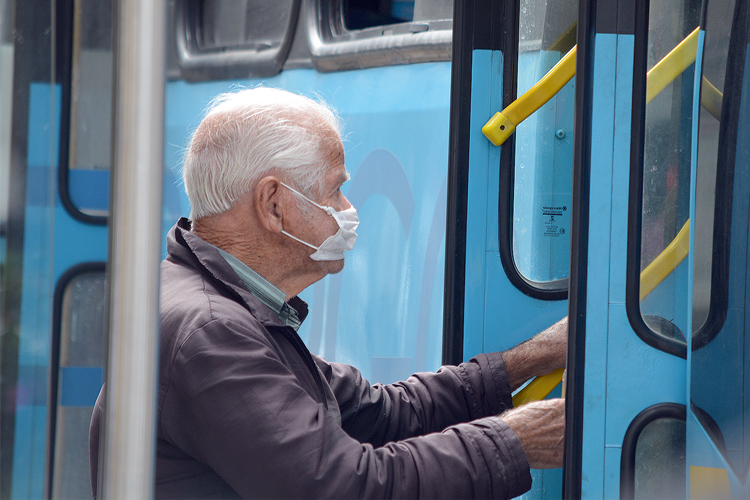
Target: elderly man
[(244, 409)]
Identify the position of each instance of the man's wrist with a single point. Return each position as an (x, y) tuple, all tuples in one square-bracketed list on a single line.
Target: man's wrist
[(539, 355)]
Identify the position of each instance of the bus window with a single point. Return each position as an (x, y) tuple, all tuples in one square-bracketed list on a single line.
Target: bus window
[(78, 369), (713, 68), (665, 174), (542, 172), (349, 34), (6, 101), (359, 14), (218, 39), (229, 24), (653, 454), (85, 62), (719, 392), (660, 460)]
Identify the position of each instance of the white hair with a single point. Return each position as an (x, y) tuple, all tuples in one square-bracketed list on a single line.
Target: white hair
[(245, 135)]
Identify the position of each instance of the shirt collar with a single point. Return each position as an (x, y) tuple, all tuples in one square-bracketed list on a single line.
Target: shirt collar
[(264, 290)]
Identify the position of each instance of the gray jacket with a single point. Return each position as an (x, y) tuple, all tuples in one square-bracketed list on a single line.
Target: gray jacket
[(245, 410)]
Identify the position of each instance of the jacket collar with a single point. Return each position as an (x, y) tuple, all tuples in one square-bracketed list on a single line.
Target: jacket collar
[(184, 245)]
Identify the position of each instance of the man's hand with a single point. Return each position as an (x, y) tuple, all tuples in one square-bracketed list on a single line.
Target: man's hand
[(540, 355), (540, 427)]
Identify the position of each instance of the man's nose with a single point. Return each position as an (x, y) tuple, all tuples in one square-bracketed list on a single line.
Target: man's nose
[(347, 203)]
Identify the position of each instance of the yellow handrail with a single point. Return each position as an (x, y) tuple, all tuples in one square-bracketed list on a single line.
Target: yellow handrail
[(504, 123), (666, 262), (711, 98), (672, 65), (539, 388)]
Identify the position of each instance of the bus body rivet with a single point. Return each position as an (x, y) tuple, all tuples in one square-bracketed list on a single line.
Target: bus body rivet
[(560, 134)]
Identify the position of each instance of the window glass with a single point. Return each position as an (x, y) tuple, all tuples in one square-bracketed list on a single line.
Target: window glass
[(26, 273), (660, 460), (242, 24), (8, 285), (360, 14), (90, 105), (544, 146), (713, 68), (6, 103), (356, 34), (231, 39), (720, 362), (82, 357), (666, 168)]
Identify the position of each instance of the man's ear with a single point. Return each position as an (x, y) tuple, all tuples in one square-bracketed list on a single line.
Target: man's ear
[(269, 204)]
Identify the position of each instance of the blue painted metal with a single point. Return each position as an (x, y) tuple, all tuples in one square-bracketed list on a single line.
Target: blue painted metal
[(702, 452), (617, 361), (89, 189), (718, 370), (80, 385), (497, 315), (36, 295)]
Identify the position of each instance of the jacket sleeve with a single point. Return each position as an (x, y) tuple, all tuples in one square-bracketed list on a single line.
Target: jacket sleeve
[(239, 409), (424, 403)]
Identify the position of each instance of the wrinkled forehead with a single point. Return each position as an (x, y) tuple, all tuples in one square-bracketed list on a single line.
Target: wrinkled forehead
[(331, 145)]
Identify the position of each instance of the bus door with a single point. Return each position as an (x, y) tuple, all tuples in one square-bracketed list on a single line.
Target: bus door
[(629, 277), (509, 199), (656, 183), (718, 422), (55, 96)]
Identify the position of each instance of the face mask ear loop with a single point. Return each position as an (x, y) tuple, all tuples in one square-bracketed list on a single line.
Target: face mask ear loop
[(328, 210), (295, 238)]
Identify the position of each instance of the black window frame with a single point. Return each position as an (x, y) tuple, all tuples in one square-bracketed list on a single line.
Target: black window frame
[(630, 441), (93, 267), (725, 168), (542, 290), (668, 341), (64, 18)]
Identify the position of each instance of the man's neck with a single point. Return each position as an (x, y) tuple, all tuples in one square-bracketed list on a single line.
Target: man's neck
[(272, 261)]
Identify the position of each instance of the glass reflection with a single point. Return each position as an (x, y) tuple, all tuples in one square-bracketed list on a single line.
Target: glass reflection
[(544, 145), (90, 108), (660, 460), (246, 24), (666, 167), (720, 395), (8, 279), (82, 350)]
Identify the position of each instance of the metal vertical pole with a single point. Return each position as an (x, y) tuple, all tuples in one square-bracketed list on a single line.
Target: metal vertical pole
[(135, 243)]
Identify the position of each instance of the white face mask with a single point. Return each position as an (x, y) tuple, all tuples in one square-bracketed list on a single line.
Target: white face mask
[(334, 246)]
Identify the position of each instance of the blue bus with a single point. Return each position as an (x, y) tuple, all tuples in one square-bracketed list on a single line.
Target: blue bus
[(512, 162)]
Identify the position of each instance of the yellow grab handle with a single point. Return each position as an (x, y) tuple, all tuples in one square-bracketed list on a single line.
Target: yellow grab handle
[(709, 483), (672, 65), (666, 262), (539, 388), (711, 99), (502, 125)]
